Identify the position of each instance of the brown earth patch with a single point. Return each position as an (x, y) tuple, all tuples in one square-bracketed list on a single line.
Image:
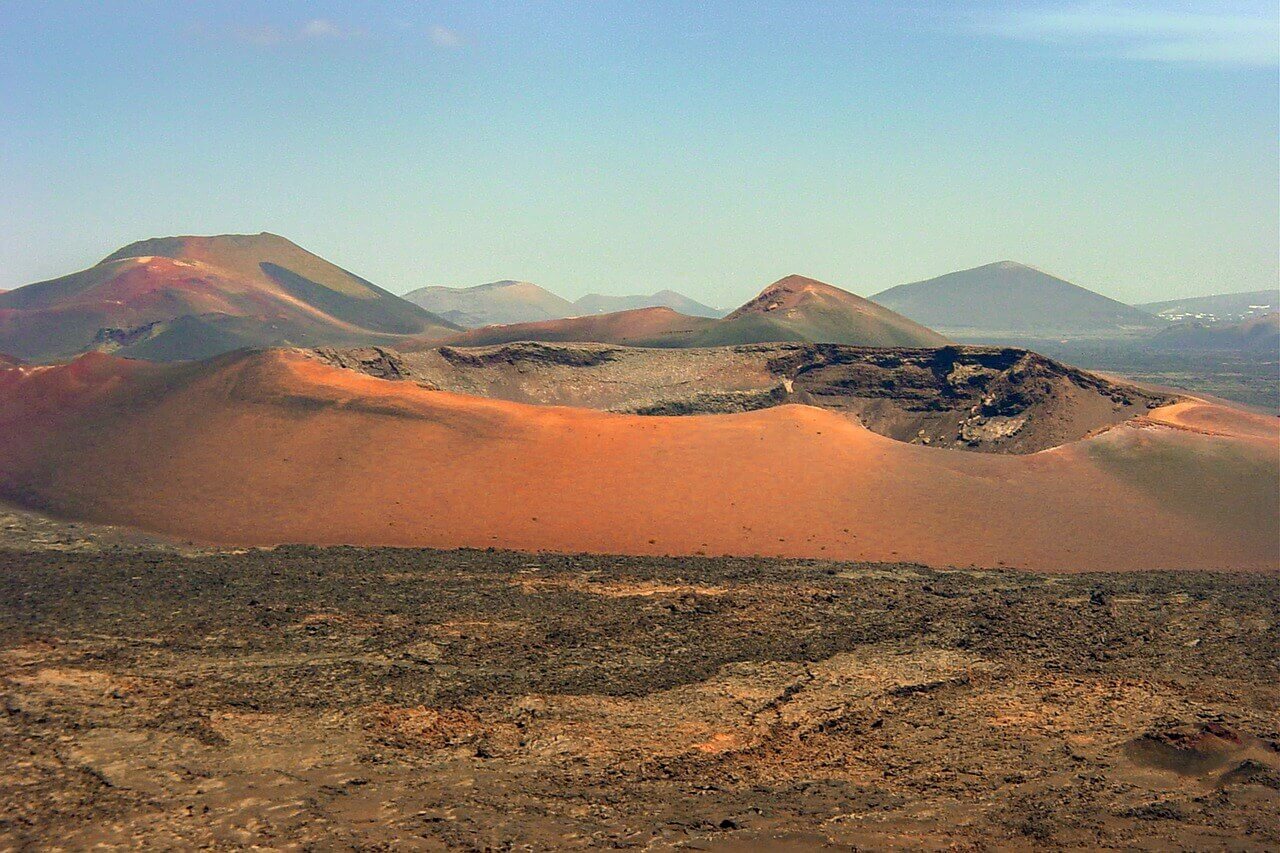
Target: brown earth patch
[(157, 700)]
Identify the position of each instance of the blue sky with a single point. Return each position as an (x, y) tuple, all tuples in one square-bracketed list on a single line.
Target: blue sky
[(623, 147)]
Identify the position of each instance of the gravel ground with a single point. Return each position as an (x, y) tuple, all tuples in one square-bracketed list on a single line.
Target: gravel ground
[(345, 698)]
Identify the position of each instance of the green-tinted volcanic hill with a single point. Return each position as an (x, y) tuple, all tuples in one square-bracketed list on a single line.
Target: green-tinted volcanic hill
[(190, 297), (1012, 300), (643, 327), (597, 303), (794, 308), (496, 302)]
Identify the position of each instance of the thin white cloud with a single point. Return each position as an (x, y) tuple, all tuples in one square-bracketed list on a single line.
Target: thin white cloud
[(315, 30), (263, 35), (271, 35), (321, 28), (1219, 33), (444, 37)]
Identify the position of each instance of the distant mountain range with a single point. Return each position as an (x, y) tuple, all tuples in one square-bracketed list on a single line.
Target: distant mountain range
[(1220, 308), (794, 308), (180, 298), (173, 298), (1012, 300), (505, 302)]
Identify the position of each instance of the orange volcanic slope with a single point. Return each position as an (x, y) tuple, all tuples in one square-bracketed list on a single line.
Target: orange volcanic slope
[(273, 447)]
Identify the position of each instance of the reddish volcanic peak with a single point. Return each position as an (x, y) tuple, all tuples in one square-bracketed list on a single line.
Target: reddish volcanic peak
[(134, 281), (800, 308), (249, 257), (190, 297), (789, 292)]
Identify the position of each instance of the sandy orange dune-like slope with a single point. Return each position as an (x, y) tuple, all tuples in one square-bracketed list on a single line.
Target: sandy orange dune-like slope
[(272, 447)]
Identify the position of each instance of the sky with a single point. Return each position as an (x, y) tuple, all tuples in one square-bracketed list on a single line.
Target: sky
[(1131, 147)]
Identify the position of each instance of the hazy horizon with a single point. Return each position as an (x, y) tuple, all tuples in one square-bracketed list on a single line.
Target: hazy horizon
[(1130, 148)]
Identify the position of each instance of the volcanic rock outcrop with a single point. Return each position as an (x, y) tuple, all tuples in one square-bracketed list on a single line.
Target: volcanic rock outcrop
[(978, 398)]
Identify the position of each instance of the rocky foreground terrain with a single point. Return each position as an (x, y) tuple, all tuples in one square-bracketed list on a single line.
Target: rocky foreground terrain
[(412, 699)]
